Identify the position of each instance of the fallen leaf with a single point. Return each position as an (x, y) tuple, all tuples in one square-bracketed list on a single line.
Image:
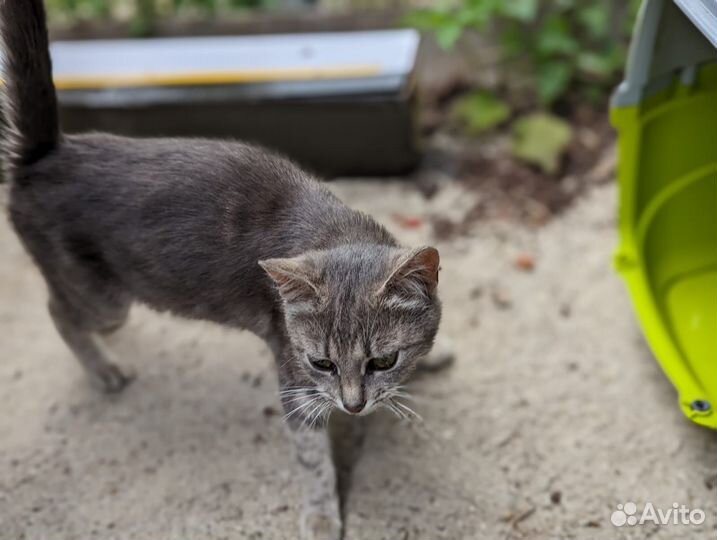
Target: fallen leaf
[(524, 262), (407, 222), (541, 139)]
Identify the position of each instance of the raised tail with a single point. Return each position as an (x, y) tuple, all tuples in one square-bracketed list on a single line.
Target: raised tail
[(30, 103)]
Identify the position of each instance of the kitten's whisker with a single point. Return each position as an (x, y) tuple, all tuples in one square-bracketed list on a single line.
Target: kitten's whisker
[(300, 390), (302, 406), (292, 412), (386, 406), (291, 399), (297, 387), (404, 395), (409, 410), (320, 414), (310, 418), (401, 414), (395, 410)]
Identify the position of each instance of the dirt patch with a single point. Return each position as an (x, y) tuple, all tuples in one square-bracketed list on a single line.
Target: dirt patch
[(508, 189)]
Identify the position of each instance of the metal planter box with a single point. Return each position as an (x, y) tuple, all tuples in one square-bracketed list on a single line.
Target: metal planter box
[(339, 103)]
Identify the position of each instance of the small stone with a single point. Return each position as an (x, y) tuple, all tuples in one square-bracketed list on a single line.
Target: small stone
[(556, 497), (501, 299), (259, 439), (269, 411)]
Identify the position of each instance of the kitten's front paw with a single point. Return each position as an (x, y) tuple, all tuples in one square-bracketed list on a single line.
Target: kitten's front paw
[(320, 526), (110, 379)]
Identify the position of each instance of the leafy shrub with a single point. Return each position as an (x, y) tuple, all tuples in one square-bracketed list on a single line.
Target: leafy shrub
[(568, 44), (141, 13)]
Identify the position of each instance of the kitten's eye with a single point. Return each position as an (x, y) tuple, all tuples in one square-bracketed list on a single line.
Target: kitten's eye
[(322, 364), (383, 363)]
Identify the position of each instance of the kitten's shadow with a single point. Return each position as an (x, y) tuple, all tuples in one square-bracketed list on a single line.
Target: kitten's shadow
[(348, 436)]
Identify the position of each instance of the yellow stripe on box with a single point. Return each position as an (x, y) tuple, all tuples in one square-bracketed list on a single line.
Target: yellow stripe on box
[(98, 82)]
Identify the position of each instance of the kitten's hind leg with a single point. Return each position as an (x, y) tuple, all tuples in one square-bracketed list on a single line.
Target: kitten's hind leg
[(117, 321), (78, 333)]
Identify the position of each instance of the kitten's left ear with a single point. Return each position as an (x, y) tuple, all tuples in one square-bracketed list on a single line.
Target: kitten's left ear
[(294, 278), (416, 271)]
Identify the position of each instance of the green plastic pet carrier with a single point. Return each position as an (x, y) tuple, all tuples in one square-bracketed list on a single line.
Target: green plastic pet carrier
[(665, 112)]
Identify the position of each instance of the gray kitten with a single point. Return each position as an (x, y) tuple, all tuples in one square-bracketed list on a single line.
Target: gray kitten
[(221, 231)]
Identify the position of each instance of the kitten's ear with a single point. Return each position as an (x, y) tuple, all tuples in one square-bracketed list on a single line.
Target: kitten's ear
[(414, 272), (294, 278)]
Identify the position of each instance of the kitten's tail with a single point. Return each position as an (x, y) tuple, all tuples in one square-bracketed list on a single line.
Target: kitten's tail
[(31, 125)]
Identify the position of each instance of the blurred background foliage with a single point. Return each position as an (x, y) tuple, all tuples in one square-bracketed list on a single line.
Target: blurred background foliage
[(568, 53), (142, 13), (563, 53), (564, 43)]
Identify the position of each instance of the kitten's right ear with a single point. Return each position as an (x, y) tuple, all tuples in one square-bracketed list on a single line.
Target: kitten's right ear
[(294, 279), (416, 271)]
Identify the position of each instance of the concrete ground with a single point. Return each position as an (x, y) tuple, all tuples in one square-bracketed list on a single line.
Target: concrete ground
[(554, 413)]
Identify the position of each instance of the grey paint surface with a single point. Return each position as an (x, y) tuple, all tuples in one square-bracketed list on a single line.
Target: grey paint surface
[(703, 13), (665, 43), (391, 52)]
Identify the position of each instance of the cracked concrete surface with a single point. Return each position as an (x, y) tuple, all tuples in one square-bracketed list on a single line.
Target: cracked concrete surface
[(553, 414)]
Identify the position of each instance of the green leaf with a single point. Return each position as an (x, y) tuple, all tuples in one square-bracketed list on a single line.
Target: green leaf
[(594, 94), (514, 41), (446, 25), (447, 36), (554, 38), (427, 19), (541, 139), (600, 65), (479, 112), (566, 4), (521, 10), (553, 80), (477, 13), (595, 19)]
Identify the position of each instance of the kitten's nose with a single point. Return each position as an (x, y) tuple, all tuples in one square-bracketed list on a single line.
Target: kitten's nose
[(354, 408)]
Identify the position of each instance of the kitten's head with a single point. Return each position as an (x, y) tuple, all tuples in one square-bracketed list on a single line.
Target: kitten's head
[(358, 317)]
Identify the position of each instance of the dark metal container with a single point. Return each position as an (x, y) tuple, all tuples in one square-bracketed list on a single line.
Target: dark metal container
[(338, 103)]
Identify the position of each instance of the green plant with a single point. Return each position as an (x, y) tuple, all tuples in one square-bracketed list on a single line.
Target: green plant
[(568, 44), (142, 14), (479, 111)]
